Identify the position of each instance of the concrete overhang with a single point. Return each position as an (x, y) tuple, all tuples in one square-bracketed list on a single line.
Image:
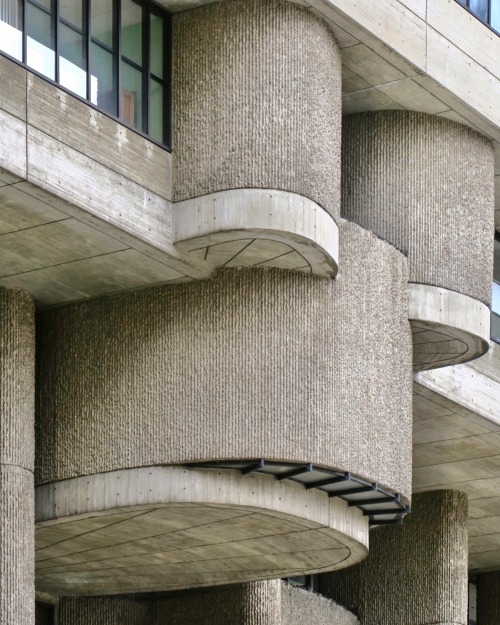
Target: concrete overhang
[(456, 445)]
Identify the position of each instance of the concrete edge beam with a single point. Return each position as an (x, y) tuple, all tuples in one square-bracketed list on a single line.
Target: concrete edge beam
[(284, 217), (463, 322)]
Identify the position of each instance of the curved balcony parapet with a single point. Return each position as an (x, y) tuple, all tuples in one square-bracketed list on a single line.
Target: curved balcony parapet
[(448, 328), (240, 121), (258, 228), (426, 185)]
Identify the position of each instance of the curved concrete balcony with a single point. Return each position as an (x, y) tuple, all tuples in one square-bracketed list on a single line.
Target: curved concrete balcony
[(258, 228), (257, 363), (166, 528), (448, 328)]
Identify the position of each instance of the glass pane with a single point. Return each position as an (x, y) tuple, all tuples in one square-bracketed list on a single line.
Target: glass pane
[(156, 46), (102, 81), (11, 28), (131, 32), (480, 8), (72, 47), (495, 302), (102, 22), (495, 14), (131, 96), (156, 111), (103, 90), (40, 25)]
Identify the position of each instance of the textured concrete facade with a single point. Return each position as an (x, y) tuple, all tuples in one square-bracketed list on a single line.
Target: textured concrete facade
[(415, 574), (261, 603), (240, 120), (488, 598), (255, 364), (425, 184), (17, 377)]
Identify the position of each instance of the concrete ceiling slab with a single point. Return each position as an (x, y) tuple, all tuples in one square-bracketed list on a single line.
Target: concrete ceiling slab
[(455, 448)]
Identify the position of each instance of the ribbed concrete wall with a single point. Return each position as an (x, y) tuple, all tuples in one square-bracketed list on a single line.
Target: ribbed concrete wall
[(415, 574), (488, 598), (17, 377), (300, 607), (247, 604), (425, 184), (261, 603), (256, 100), (256, 363)]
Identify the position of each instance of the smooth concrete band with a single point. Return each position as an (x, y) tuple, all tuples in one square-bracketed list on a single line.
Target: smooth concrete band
[(258, 227), (257, 363), (415, 574), (425, 184), (448, 328), (17, 382), (260, 603), (165, 528), (240, 122)]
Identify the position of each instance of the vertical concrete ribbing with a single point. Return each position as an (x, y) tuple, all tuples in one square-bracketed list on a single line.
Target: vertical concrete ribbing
[(260, 603), (256, 363), (257, 101), (247, 604), (488, 598), (17, 373), (415, 574), (425, 184)]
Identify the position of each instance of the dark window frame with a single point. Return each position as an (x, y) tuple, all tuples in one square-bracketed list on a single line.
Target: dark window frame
[(466, 5), (148, 8)]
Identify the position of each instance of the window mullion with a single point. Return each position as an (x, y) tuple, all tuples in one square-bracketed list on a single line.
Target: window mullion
[(55, 16), (117, 54), (146, 42), (87, 36)]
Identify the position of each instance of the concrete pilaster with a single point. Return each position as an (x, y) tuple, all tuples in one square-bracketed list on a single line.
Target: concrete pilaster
[(17, 370), (488, 598), (415, 574)]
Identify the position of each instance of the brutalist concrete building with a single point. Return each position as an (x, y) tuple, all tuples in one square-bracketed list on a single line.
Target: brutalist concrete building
[(246, 264)]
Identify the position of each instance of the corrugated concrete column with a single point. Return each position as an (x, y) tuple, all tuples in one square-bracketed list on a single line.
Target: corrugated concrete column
[(246, 604), (17, 372), (415, 574), (425, 184), (257, 99), (261, 603), (488, 598)]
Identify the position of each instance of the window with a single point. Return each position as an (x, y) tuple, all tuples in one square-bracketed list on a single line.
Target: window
[(112, 53), (488, 11)]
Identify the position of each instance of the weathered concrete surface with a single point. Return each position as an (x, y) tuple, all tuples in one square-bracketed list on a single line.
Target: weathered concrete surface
[(415, 574), (17, 390), (261, 603), (448, 328), (255, 364), (424, 184), (165, 528), (240, 120)]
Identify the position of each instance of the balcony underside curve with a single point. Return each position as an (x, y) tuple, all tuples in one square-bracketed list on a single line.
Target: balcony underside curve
[(448, 327), (164, 528), (258, 227)]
